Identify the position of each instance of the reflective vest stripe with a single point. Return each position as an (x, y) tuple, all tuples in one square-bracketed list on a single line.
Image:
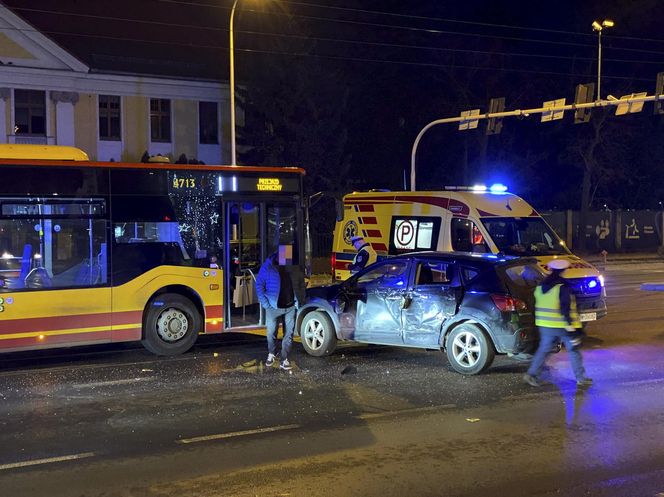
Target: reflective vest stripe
[(548, 312)]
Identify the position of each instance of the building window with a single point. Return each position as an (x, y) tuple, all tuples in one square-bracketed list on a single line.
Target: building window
[(29, 112), (160, 120), (109, 117), (208, 123)]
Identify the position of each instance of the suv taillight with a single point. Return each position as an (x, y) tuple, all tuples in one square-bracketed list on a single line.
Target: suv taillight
[(505, 303), (333, 260)]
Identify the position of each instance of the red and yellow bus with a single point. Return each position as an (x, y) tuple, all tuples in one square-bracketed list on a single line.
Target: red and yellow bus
[(96, 252)]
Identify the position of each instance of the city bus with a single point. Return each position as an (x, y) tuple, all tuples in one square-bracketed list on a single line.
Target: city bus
[(98, 252)]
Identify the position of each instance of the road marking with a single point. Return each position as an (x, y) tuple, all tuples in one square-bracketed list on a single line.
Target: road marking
[(415, 410), (236, 434), (643, 382), (112, 382), (49, 460)]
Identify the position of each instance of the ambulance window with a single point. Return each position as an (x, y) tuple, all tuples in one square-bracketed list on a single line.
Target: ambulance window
[(414, 233), (467, 237)]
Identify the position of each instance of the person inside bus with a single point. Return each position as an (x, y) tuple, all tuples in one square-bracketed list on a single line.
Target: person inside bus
[(365, 254), (280, 290)]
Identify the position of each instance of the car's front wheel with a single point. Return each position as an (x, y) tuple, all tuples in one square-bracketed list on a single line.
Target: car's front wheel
[(318, 335), (469, 349)]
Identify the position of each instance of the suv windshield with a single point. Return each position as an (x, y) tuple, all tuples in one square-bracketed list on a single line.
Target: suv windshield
[(524, 236)]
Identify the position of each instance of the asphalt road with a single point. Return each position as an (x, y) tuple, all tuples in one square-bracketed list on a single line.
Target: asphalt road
[(366, 421)]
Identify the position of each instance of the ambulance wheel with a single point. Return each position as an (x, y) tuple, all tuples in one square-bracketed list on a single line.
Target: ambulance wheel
[(469, 349), (171, 324), (317, 334)]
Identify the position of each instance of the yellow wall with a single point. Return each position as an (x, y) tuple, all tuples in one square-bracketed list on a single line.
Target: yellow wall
[(9, 48), (8, 118), (185, 135), (135, 127), (85, 124)]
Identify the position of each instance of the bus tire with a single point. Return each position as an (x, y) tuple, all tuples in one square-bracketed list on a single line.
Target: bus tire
[(171, 324), (317, 333), (469, 349)]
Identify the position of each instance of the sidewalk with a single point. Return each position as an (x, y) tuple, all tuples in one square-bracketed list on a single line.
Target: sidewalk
[(623, 258)]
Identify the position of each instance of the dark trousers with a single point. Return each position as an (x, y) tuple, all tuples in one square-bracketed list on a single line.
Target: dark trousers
[(548, 338), (272, 318)]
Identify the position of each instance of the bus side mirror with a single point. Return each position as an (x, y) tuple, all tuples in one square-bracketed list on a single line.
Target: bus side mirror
[(339, 208)]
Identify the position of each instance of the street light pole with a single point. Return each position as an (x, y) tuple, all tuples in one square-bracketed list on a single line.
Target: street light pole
[(232, 85), (599, 27)]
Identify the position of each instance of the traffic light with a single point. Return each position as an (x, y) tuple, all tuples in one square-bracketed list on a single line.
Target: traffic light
[(495, 124), (659, 92), (584, 95)]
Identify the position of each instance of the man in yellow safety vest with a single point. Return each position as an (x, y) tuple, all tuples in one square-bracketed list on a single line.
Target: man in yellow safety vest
[(558, 320)]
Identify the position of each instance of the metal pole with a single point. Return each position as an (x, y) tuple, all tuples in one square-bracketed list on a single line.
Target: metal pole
[(232, 85), (599, 64)]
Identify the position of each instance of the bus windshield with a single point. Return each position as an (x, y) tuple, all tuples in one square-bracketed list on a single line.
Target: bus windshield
[(524, 236)]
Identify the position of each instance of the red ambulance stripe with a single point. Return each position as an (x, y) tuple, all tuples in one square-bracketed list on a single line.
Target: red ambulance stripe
[(369, 220), (373, 233), (342, 265), (366, 208), (379, 246)]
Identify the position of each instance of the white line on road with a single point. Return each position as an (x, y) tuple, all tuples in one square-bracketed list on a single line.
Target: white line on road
[(236, 434), (49, 460), (112, 383), (373, 415)]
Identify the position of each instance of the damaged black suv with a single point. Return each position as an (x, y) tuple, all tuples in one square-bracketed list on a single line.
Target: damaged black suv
[(470, 306)]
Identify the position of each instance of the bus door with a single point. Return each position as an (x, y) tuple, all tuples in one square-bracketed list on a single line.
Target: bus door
[(243, 258), (254, 230)]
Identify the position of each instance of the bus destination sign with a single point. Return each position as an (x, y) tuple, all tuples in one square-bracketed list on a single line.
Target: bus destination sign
[(260, 184)]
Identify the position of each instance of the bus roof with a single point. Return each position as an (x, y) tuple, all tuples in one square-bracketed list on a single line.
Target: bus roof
[(51, 152), (59, 155)]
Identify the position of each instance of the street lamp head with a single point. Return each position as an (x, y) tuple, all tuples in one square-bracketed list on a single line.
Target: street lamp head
[(597, 26), (608, 23)]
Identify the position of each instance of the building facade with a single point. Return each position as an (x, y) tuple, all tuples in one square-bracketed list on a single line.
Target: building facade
[(48, 96)]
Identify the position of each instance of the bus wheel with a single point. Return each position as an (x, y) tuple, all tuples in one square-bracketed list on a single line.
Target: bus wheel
[(469, 350), (171, 326), (317, 334)]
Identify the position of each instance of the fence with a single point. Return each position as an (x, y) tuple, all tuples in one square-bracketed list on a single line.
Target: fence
[(613, 231)]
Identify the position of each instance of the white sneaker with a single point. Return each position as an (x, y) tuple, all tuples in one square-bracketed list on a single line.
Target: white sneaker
[(270, 360), (285, 365)]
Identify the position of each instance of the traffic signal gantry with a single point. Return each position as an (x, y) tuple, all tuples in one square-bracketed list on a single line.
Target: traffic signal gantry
[(551, 110)]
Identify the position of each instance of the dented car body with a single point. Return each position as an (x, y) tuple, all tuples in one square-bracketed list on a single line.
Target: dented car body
[(470, 306)]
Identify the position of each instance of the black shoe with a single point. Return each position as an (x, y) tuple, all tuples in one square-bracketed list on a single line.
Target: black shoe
[(584, 382), (531, 380)]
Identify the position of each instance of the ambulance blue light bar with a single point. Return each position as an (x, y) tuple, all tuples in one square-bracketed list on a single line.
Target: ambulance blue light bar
[(498, 188), (495, 188)]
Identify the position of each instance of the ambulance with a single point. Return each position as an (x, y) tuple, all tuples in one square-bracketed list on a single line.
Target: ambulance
[(460, 219)]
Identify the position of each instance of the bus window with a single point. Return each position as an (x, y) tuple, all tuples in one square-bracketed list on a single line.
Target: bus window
[(282, 229), (52, 243)]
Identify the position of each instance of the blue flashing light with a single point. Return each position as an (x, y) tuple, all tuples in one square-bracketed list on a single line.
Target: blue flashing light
[(479, 188), (592, 283), (498, 188)]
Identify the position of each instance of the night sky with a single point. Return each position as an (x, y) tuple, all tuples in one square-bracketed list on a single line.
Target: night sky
[(346, 86)]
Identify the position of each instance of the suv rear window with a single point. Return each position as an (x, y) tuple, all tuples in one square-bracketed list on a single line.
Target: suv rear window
[(527, 275)]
